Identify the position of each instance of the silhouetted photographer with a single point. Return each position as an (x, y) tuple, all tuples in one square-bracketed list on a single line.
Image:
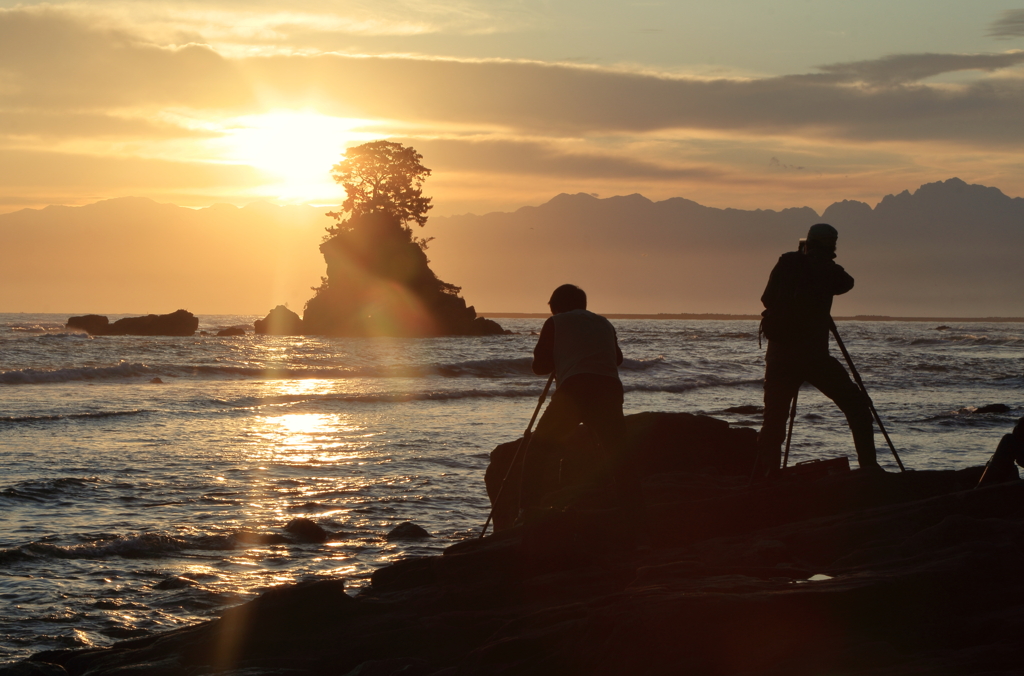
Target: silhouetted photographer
[(582, 350), (797, 320)]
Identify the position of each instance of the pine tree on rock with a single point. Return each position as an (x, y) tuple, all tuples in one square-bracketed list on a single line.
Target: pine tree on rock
[(378, 279)]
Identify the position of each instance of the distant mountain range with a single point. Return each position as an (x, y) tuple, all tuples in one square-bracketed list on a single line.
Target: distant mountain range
[(947, 249)]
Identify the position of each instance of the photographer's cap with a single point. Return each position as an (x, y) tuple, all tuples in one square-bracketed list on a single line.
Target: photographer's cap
[(822, 232)]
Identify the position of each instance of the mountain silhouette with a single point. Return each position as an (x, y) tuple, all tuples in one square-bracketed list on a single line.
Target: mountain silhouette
[(946, 249)]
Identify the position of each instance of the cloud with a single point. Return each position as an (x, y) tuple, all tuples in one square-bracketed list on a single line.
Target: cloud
[(61, 125), (20, 169), (906, 68), (50, 59), (544, 158), (1011, 25), (52, 62), (535, 98)]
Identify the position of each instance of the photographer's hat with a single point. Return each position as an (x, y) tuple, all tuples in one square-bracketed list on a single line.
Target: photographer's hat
[(823, 232)]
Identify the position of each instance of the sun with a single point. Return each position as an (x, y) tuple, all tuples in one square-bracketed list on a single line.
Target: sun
[(297, 147)]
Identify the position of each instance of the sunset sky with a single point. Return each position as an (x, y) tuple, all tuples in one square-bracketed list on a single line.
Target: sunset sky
[(734, 103)]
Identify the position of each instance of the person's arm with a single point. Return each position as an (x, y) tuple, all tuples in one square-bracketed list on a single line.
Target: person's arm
[(544, 352), (841, 279)]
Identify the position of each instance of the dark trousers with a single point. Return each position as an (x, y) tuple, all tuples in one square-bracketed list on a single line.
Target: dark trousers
[(786, 369), (595, 401)]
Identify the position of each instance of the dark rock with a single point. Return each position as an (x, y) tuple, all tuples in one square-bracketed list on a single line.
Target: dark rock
[(156, 381), (177, 323), (94, 325), (994, 408), (174, 582), (307, 530), (280, 322), (658, 443), (379, 283), (232, 331), (407, 531)]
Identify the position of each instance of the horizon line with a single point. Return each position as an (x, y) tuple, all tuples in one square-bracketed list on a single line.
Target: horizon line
[(730, 317)]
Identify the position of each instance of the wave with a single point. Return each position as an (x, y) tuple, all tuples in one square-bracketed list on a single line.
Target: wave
[(36, 328), (964, 339), (68, 416), (970, 414), (45, 490), (476, 368), (485, 368), (143, 546), (642, 364), (380, 397), (34, 376), (66, 335), (687, 386), (475, 393)]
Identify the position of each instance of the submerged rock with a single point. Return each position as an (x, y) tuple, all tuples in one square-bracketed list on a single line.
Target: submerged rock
[(994, 408), (307, 530), (407, 531), (232, 331), (175, 582)]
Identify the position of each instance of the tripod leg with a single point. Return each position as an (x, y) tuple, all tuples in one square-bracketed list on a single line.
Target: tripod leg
[(789, 434)]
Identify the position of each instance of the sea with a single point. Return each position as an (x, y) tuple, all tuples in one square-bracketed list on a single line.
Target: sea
[(149, 483)]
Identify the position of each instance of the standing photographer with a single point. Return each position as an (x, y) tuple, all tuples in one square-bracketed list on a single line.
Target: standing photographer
[(796, 321)]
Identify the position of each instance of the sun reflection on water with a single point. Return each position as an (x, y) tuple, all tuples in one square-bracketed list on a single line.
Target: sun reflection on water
[(308, 438)]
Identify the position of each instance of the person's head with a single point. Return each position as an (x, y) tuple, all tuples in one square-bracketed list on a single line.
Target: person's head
[(567, 297), (822, 238)]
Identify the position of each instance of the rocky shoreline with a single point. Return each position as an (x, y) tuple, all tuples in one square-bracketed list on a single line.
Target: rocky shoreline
[(910, 573)]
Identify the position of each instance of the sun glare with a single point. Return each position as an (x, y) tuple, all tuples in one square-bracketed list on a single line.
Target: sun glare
[(298, 147)]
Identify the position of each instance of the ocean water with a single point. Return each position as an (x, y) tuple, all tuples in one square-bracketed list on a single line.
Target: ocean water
[(146, 482)]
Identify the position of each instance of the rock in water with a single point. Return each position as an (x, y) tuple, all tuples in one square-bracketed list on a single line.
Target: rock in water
[(407, 531), (994, 408), (232, 331), (379, 283), (178, 323), (307, 530), (94, 325), (280, 322)]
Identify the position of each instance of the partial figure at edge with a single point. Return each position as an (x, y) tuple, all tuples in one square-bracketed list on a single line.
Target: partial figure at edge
[(797, 320)]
